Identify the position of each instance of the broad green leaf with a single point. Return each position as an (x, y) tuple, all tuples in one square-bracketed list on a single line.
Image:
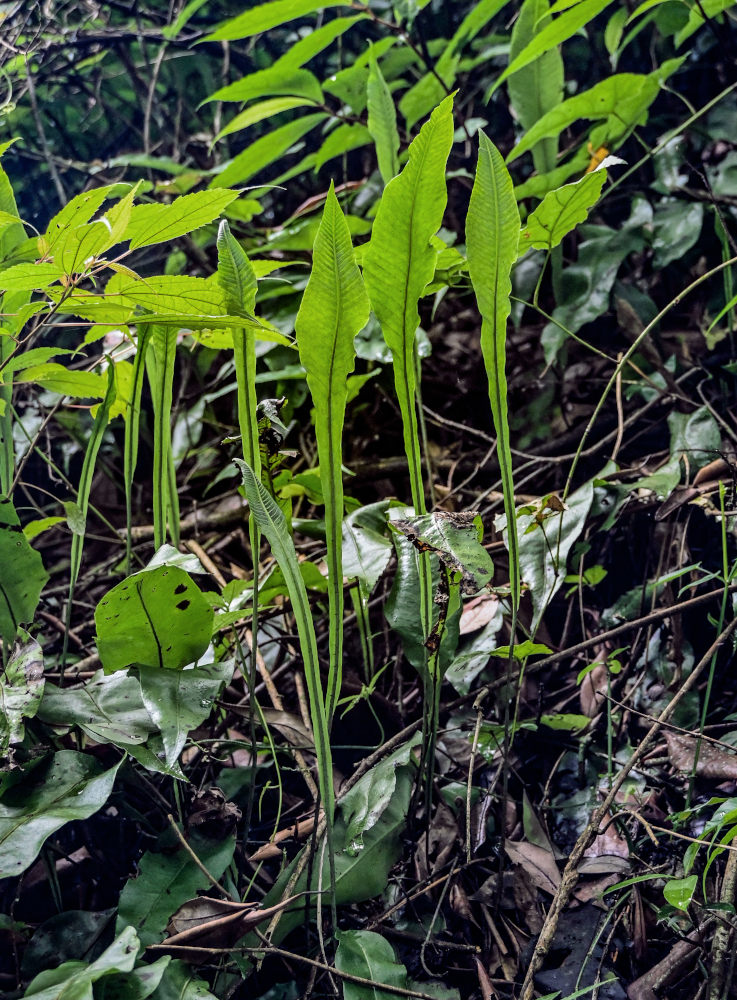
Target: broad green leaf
[(358, 876), (544, 548), (341, 140), (538, 87), (272, 81), (74, 980), (404, 608), (622, 100), (57, 378), (21, 688), (264, 151), (680, 891), (261, 111), (165, 881), (456, 540), (268, 15), (28, 277), (694, 435), (272, 524), (382, 122), (178, 983), (334, 308), (561, 211), (492, 235), (140, 983), (67, 786), (108, 709), (157, 618), (370, 956), (150, 224), (367, 549), (586, 285), (179, 700), (676, 228), (555, 32), (22, 576), (366, 802)]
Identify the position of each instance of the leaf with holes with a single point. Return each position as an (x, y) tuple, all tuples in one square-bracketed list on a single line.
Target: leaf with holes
[(156, 618), (21, 687)]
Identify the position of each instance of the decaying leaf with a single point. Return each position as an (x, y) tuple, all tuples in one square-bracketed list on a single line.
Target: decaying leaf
[(713, 763), (538, 863)]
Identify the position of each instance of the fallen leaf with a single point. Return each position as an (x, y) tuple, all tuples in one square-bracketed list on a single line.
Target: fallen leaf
[(538, 863), (477, 613), (713, 763)]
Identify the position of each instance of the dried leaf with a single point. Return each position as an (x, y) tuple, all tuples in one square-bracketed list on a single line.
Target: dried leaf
[(538, 863), (713, 763), (477, 613)]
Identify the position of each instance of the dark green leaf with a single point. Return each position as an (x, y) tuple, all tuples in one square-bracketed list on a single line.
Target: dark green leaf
[(69, 785)]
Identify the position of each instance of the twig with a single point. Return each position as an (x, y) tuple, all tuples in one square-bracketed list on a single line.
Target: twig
[(722, 965), (570, 874), (202, 868)]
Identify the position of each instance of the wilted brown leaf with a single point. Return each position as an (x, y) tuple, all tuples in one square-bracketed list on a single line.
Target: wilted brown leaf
[(537, 862), (713, 763)]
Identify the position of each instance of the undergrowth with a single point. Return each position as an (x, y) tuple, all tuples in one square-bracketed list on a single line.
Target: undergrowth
[(367, 559)]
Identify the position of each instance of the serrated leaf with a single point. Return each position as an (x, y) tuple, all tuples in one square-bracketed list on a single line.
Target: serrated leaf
[(151, 224), (334, 308), (69, 785), (29, 277), (561, 211)]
